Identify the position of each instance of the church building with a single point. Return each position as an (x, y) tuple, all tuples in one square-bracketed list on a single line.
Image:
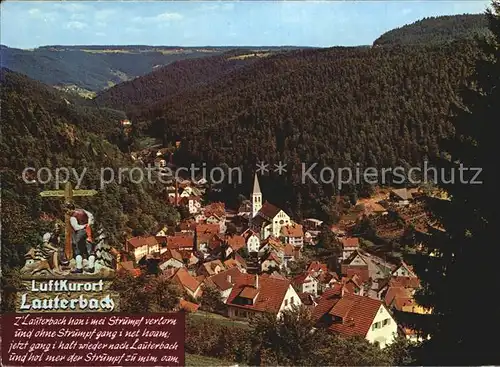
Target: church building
[(267, 219)]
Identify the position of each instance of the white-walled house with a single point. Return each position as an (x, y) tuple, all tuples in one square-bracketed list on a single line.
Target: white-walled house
[(252, 294), (293, 234), (141, 246), (193, 204), (383, 329), (403, 270), (305, 283), (349, 245), (252, 240), (171, 259), (267, 219), (351, 315)]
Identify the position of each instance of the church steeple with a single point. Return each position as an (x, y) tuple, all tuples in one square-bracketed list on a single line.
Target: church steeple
[(256, 197)]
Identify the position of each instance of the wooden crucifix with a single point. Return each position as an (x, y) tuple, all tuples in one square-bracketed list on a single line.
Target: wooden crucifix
[(68, 193)]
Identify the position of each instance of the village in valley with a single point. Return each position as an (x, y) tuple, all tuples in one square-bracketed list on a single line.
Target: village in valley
[(257, 258)]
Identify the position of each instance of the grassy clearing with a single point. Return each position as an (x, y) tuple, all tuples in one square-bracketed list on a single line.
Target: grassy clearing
[(108, 51), (248, 56), (201, 315)]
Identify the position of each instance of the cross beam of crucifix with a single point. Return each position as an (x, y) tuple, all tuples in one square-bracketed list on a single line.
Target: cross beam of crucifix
[(68, 193)]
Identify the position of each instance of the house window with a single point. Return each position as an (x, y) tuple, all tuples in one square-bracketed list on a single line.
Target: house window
[(291, 300), (376, 326), (286, 302), (386, 322)]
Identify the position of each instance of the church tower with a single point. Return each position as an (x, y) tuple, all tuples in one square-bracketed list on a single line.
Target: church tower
[(256, 197)]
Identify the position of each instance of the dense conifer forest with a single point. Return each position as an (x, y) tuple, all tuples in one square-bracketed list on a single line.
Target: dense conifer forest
[(95, 68), (337, 107), (435, 30), (171, 80)]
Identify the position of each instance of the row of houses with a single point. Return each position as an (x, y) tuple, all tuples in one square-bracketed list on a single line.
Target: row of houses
[(249, 267)]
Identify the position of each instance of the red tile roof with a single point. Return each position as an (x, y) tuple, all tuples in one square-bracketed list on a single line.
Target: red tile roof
[(399, 302), (396, 292), (180, 242), (316, 266), (224, 280), (325, 278), (140, 241), (240, 259), (207, 228), (359, 270), (407, 282), (268, 210), (236, 242), (274, 243), (270, 297), (188, 306), (211, 266), (187, 224), (233, 263), (342, 308), (186, 280), (162, 240), (355, 279), (357, 312), (350, 242), (171, 254), (293, 230), (249, 292), (300, 279), (216, 209), (273, 257), (275, 274)]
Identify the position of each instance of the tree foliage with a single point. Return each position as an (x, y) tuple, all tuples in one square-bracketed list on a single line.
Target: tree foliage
[(291, 340), (466, 247), (328, 109), (211, 299), (146, 293), (436, 30)]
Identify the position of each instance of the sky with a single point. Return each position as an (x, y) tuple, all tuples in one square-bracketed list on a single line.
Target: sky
[(29, 24)]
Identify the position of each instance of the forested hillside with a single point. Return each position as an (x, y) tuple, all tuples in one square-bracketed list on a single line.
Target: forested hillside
[(381, 107), (435, 30), (170, 80), (95, 68), (40, 128), (90, 67)]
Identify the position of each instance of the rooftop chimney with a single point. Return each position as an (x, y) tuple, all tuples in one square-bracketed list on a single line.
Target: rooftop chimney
[(257, 281), (229, 279)]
